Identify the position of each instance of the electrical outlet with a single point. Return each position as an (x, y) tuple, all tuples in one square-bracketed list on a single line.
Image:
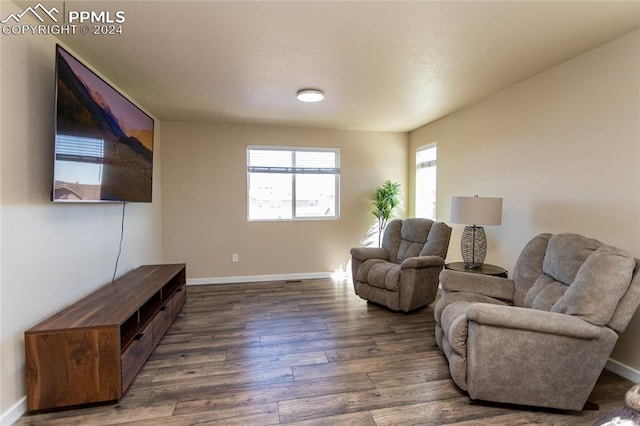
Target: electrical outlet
[(234, 257)]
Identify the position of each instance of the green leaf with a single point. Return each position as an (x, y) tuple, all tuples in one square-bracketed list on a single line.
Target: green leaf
[(384, 203)]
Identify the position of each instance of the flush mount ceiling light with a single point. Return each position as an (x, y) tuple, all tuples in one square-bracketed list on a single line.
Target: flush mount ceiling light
[(310, 95)]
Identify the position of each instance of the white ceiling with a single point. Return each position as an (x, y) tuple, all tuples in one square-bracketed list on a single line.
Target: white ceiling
[(384, 65)]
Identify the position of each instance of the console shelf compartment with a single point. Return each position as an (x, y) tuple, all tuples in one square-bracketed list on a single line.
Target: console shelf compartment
[(92, 350)]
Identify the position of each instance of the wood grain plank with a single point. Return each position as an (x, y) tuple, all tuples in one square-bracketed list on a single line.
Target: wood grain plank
[(254, 414), (273, 393), (239, 366), (360, 419), (364, 365), (349, 402)]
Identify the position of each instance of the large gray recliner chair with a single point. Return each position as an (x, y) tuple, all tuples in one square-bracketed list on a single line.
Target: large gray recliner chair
[(543, 337), (402, 274)]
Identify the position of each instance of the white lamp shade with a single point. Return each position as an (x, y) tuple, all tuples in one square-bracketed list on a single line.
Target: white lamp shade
[(476, 210)]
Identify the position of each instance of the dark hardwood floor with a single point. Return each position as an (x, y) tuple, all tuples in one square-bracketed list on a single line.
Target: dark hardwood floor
[(305, 353)]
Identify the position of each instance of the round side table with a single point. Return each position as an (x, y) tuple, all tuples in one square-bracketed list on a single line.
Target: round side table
[(485, 269)]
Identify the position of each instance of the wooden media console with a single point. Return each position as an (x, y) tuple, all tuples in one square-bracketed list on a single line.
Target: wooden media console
[(91, 351)]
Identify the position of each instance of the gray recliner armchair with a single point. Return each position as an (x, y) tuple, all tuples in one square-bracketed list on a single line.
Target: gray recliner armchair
[(402, 274), (543, 337)]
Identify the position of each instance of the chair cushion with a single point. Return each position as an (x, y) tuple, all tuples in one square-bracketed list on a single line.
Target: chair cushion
[(599, 285), (437, 243), (544, 293), (408, 249), (384, 275), (413, 234), (565, 255), (362, 274), (415, 229)]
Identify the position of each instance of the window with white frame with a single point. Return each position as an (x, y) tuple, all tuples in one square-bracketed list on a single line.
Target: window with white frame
[(426, 158), (286, 183)]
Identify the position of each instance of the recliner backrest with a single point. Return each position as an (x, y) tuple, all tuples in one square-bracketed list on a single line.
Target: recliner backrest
[(405, 238), (575, 275), (415, 236)]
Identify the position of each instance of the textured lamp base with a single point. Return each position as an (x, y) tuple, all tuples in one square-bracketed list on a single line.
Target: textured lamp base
[(473, 246)]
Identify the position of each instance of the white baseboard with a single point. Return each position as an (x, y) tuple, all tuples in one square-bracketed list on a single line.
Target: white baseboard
[(623, 370), (14, 413), (259, 278)]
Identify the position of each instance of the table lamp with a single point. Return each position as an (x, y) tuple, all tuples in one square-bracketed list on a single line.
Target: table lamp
[(474, 212)]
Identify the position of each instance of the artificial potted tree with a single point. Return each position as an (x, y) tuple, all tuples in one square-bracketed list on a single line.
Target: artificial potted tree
[(385, 201)]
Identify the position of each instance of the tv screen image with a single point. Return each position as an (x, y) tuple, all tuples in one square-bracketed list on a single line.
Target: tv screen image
[(103, 142)]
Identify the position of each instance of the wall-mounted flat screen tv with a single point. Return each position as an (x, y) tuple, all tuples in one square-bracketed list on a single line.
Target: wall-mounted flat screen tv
[(103, 142)]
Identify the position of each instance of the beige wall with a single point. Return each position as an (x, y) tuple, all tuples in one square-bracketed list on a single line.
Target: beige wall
[(205, 190), (51, 254), (562, 149)]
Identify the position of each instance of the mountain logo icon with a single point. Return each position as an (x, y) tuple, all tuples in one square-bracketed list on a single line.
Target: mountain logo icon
[(38, 11)]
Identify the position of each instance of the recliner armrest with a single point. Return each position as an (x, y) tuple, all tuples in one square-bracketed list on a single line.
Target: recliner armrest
[(366, 253), (532, 320), (422, 262), (485, 285)]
